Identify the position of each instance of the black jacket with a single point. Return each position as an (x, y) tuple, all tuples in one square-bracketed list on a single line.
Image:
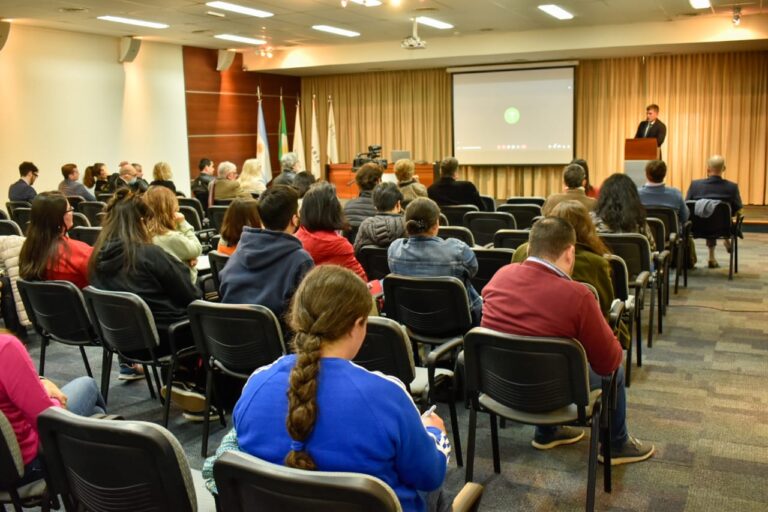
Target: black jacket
[(658, 131), (163, 183), (380, 230), (449, 192), (285, 177), (360, 208)]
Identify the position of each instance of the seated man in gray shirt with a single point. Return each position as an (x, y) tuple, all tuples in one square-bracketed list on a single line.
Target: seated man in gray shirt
[(70, 186)]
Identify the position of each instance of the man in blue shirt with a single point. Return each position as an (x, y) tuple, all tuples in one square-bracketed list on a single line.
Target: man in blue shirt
[(656, 193), (22, 190), (70, 186)]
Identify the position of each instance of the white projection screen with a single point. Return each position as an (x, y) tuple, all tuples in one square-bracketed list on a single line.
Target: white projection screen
[(518, 117)]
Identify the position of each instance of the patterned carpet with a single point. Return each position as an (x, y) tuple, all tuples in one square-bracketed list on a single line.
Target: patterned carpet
[(700, 397)]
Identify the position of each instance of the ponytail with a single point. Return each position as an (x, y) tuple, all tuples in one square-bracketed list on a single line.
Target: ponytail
[(421, 215)]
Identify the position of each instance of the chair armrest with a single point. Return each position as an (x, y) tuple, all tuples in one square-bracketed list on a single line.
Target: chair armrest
[(615, 313), (468, 499), (174, 332), (686, 229), (641, 281), (440, 353), (661, 258), (608, 385), (673, 239)]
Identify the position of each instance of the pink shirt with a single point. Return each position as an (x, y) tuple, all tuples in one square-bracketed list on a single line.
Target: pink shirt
[(22, 397)]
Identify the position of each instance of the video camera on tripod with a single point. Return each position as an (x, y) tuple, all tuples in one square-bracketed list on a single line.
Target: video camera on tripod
[(373, 155)]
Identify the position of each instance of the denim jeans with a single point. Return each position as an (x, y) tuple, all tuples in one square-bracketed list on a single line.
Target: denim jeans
[(619, 433)]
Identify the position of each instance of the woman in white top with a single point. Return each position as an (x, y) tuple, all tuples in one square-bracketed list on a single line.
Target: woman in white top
[(251, 177)]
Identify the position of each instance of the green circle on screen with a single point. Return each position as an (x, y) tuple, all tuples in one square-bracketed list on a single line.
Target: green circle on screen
[(512, 115)]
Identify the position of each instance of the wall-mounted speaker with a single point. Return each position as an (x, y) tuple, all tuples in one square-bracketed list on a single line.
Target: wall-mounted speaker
[(129, 49), (5, 29), (226, 58)]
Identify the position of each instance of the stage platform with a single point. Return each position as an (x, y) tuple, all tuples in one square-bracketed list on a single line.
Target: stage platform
[(756, 219)]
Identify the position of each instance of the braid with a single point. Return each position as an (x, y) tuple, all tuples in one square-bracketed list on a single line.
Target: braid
[(302, 394)]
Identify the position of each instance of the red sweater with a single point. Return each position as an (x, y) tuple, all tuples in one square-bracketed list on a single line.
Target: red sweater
[(328, 247), (531, 299), (71, 263)]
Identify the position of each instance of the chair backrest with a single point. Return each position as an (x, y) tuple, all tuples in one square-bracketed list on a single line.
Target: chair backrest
[(526, 200), (524, 213), (57, 309), (91, 209), (488, 262), (510, 238), (633, 248), (489, 204), (80, 220), (457, 232), (667, 215), (8, 227), (455, 213), (217, 261), (527, 373), (246, 483), (122, 321), (223, 202), (216, 214), (191, 216), (104, 198), (114, 466), (4, 216), (717, 225), (12, 205), (236, 338), (75, 200), (484, 225), (22, 217), (83, 234), (619, 276), (374, 261), (443, 220), (194, 203), (11, 461), (387, 349), (428, 306), (659, 232)]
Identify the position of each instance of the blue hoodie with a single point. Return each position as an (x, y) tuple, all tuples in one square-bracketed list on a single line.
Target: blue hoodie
[(266, 269)]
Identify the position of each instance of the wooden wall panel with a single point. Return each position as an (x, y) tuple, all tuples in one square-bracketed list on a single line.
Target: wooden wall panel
[(222, 109)]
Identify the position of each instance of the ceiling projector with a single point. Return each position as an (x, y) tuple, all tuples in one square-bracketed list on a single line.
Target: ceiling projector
[(413, 43)]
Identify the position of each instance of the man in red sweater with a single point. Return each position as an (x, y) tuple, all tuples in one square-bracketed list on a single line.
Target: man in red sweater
[(538, 298)]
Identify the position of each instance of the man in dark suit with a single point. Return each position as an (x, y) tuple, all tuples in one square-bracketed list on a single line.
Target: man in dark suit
[(714, 186), (449, 191), (652, 127)]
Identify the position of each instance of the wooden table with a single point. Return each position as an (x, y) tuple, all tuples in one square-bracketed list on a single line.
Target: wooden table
[(342, 176)]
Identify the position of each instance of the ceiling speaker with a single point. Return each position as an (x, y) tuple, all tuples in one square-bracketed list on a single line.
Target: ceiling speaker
[(5, 29), (129, 49), (226, 58)]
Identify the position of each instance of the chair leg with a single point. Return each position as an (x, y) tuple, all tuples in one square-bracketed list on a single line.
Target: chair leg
[(735, 254), (660, 305), (606, 442), (495, 445), (592, 468), (85, 361), (169, 382), (471, 444), (686, 258), (148, 378), (43, 345), (650, 315), (628, 365), (106, 370), (639, 335), (455, 429), (207, 410), (158, 383), (731, 258)]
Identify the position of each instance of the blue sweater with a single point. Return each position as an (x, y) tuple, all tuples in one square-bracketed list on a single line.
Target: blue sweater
[(661, 195), (366, 423)]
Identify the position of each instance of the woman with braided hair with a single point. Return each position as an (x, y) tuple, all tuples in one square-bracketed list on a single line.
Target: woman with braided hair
[(337, 416)]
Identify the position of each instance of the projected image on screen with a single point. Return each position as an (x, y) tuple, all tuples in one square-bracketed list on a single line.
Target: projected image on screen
[(513, 117)]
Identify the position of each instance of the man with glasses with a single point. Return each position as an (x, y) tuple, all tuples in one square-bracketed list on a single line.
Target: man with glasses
[(70, 186), (22, 190)]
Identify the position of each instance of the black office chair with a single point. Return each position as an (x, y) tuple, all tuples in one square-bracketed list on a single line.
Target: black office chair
[(457, 232), (443, 220), (526, 200), (4, 216), (108, 466), (8, 227), (216, 215), (124, 324), (536, 381), (525, 214), (217, 261), (720, 225), (104, 198), (374, 261), (222, 202), (194, 220), (193, 202), (22, 217), (661, 262), (677, 238), (92, 209), (489, 261), (510, 238), (32, 494), (489, 203), (74, 201), (632, 308), (80, 221), (484, 225), (11, 207), (455, 214), (83, 234), (234, 339)]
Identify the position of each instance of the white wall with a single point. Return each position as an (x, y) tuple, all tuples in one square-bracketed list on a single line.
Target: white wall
[(65, 98)]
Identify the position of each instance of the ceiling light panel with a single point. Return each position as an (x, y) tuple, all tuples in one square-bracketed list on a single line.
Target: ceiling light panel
[(367, 3), (131, 21), (700, 4), (335, 30), (431, 22), (240, 9), (556, 11), (240, 39)]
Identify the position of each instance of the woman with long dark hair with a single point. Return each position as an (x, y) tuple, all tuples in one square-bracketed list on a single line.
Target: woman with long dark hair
[(97, 177), (48, 253), (619, 209), (240, 213)]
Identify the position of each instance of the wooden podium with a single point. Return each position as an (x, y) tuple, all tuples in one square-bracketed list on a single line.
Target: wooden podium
[(342, 176), (637, 153)]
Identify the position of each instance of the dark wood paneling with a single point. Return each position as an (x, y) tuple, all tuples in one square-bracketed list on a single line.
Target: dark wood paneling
[(220, 114)]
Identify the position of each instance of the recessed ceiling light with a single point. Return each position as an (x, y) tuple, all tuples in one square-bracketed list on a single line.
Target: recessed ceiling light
[(336, 30), (368, 3), (700, 4), (249, 11), (431, 22), (556, 11), (131, 21), (215, 13), (240, 39)]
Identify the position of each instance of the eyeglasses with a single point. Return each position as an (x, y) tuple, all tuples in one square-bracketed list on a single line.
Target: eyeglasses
[(70, 210)]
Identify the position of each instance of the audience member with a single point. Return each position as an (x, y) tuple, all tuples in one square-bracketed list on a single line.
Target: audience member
[(619, 209), (715, 187), (321, 218), (10, 248), (590, 190), (251, 177), (200, 186), (70, 186), (22, 190), (24, 395), (170, 230), (125, 177), (656, 193), (409, 185), (387, 225), (302, 182), (240, 213), (288, 416), (574, 179), (269, 263), (226, 185), (97, 178), (448, 191), (161, 176), (424, 254), (289, 164), (141, 183), (48, 253), (538, 298), (360, 208)]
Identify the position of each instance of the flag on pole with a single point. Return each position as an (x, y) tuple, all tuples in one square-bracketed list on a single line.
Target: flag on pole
[(262, 145), (314, 148), (282, 147), (298, 140), (333, 147)]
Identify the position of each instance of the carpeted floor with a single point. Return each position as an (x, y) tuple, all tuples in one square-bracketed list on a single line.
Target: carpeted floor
[(701, 397)]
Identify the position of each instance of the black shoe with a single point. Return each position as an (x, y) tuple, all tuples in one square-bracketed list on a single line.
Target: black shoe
[(563, 435), (198, 417), (632, 451)]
